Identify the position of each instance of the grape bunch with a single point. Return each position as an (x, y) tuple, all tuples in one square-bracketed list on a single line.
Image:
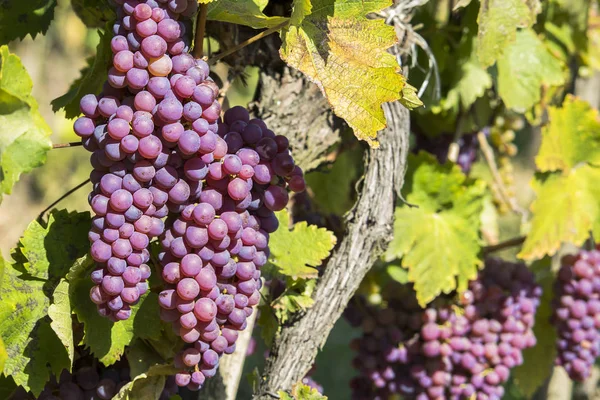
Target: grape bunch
[(447, 351), (86, 382), (91, 380), (577, 313), (213, 250), (135, 133), (160, 148)]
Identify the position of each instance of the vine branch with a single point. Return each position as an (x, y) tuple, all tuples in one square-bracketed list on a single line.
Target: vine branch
[(369, 231), (517, 241), (64, 196), (200, 31), (488, 154), (65, 145), (245, 43)]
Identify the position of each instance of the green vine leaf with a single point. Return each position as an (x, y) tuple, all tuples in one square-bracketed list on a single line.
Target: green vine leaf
[(94, 13), (572, 137), (35, 332), (29, 341), (297, 252), (91, 80), (438, 240), (105, 339), (146, 386), (242, 12), (3, 355), (25, 137), (567, 207), (301, 391), (60, 314), (525, 69), (337, 47), (50, 249), (296, 297), (21, 18), (498, 23), (140, 357), (473, 80)]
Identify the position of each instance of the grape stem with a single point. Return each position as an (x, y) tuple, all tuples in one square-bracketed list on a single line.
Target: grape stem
[(517, 241), (200, 31), (64, 196), (248, 42), (64, 145), (488, 154)]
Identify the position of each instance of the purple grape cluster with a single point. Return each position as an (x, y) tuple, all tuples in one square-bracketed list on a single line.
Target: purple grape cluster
[(135, 131), (577, 313), (86, 382), (447, 351), (214, 248), (90, 380), (159, 147)]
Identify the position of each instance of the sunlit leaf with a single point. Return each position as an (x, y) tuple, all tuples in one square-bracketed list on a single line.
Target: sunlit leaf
[(25, 137)]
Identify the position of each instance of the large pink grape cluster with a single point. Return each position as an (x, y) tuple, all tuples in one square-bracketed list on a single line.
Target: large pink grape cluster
[(159, 147), (577, 313), (214, 249), (460, 351)]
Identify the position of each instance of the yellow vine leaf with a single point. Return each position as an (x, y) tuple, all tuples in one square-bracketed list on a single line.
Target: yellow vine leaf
[(572, 137), (567, 207), (337, 47)]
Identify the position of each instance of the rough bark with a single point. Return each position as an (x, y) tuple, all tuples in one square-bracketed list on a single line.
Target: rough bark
[(369, 231)]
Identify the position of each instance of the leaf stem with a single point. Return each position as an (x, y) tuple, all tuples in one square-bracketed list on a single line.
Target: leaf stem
[(245, 43), (517, 241), (488, 154), (64, 196), (200, 31), (64, 145)]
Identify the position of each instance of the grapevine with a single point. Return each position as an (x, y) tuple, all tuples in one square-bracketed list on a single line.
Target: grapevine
[(299, 200)]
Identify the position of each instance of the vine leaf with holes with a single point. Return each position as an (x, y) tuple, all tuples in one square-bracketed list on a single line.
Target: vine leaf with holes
[(345, 54), (567, 207), (24, 135)]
